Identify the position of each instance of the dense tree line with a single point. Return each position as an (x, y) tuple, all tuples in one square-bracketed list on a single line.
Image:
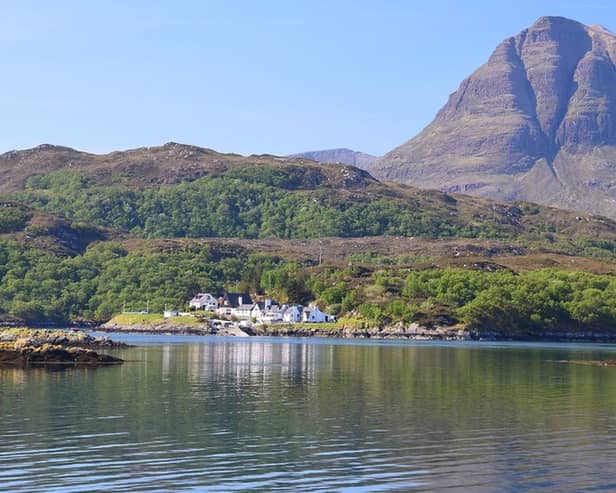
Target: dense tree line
[(264, 202), (38, 285), (534, 301), (13, 217), (257, 203)]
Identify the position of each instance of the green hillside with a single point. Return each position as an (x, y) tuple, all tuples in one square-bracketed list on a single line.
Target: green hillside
[(156, 225), (484, 293), (268, 197), (21, 224)]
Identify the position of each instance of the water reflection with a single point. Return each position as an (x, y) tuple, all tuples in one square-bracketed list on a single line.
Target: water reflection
[(281, 416), (258, 362)]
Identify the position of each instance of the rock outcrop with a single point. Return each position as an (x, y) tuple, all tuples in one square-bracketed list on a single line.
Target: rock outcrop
[(537, 122), (34, 347), (48, 354)]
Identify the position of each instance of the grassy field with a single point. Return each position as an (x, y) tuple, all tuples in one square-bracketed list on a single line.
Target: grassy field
[(153, 319)]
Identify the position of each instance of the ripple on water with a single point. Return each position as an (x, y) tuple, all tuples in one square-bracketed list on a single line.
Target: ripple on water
[(218, 417)]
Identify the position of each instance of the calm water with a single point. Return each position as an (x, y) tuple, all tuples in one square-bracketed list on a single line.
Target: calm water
[(210, 414)]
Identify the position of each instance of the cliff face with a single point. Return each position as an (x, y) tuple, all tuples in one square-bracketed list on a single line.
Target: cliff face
[(536, 122)]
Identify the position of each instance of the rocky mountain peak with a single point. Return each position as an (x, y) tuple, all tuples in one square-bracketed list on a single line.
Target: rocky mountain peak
[(530, 123)]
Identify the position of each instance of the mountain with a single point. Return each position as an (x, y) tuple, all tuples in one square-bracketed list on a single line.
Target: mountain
[(536, 122), (342, 156)]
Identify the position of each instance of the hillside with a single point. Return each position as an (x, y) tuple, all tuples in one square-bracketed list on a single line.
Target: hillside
[(21, 224), (153, 226), (169, 164), (184, 191), (341, 156), (535, 123), (370, 281)]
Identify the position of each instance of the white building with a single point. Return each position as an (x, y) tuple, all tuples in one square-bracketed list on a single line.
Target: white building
[(243, 311), (292, 314), (312, 314), (271, 312), (230, 303), (204, 301)]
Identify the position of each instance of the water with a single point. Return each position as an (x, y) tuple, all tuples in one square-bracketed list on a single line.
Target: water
[(210, 414)]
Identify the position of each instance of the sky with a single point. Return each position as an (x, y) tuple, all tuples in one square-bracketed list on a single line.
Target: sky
[(251, 77)]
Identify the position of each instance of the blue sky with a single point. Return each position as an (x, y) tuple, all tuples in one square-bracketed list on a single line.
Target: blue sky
[(246, 76)]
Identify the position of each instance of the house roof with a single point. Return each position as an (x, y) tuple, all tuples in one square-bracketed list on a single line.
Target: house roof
[(233, 299), (202, 297)]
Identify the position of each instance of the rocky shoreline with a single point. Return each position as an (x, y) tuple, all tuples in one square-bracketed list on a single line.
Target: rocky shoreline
[(298, 330), (414, 332), (34, 347)]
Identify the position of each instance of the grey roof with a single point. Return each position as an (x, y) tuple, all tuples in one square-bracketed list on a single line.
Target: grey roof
[(201, 296), (233, 299)]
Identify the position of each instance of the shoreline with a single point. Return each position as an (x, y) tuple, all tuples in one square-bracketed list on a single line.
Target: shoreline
[(410, 333)]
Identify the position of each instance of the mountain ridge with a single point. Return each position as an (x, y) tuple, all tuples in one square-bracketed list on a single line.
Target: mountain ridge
[(341, 155), (169, 164)]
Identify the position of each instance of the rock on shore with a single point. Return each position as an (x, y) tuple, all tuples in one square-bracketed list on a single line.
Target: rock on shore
[(25, 347), (400, 331), (38, 337), (413, 332), (48, 354)]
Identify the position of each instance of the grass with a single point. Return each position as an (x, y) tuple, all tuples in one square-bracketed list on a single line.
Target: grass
[(188, 321), (152, 319), (342, 322), (137, 319)]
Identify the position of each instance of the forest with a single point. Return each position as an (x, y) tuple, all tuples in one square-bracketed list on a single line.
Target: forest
[(37, 285), (80, 251)]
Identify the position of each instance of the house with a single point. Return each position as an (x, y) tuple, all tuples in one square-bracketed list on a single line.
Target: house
[(233, 300), (228, 305), (257, 311), (243, 311), (292, 314), (271, 312), (203, 301), (241, 306), (312, 314)]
